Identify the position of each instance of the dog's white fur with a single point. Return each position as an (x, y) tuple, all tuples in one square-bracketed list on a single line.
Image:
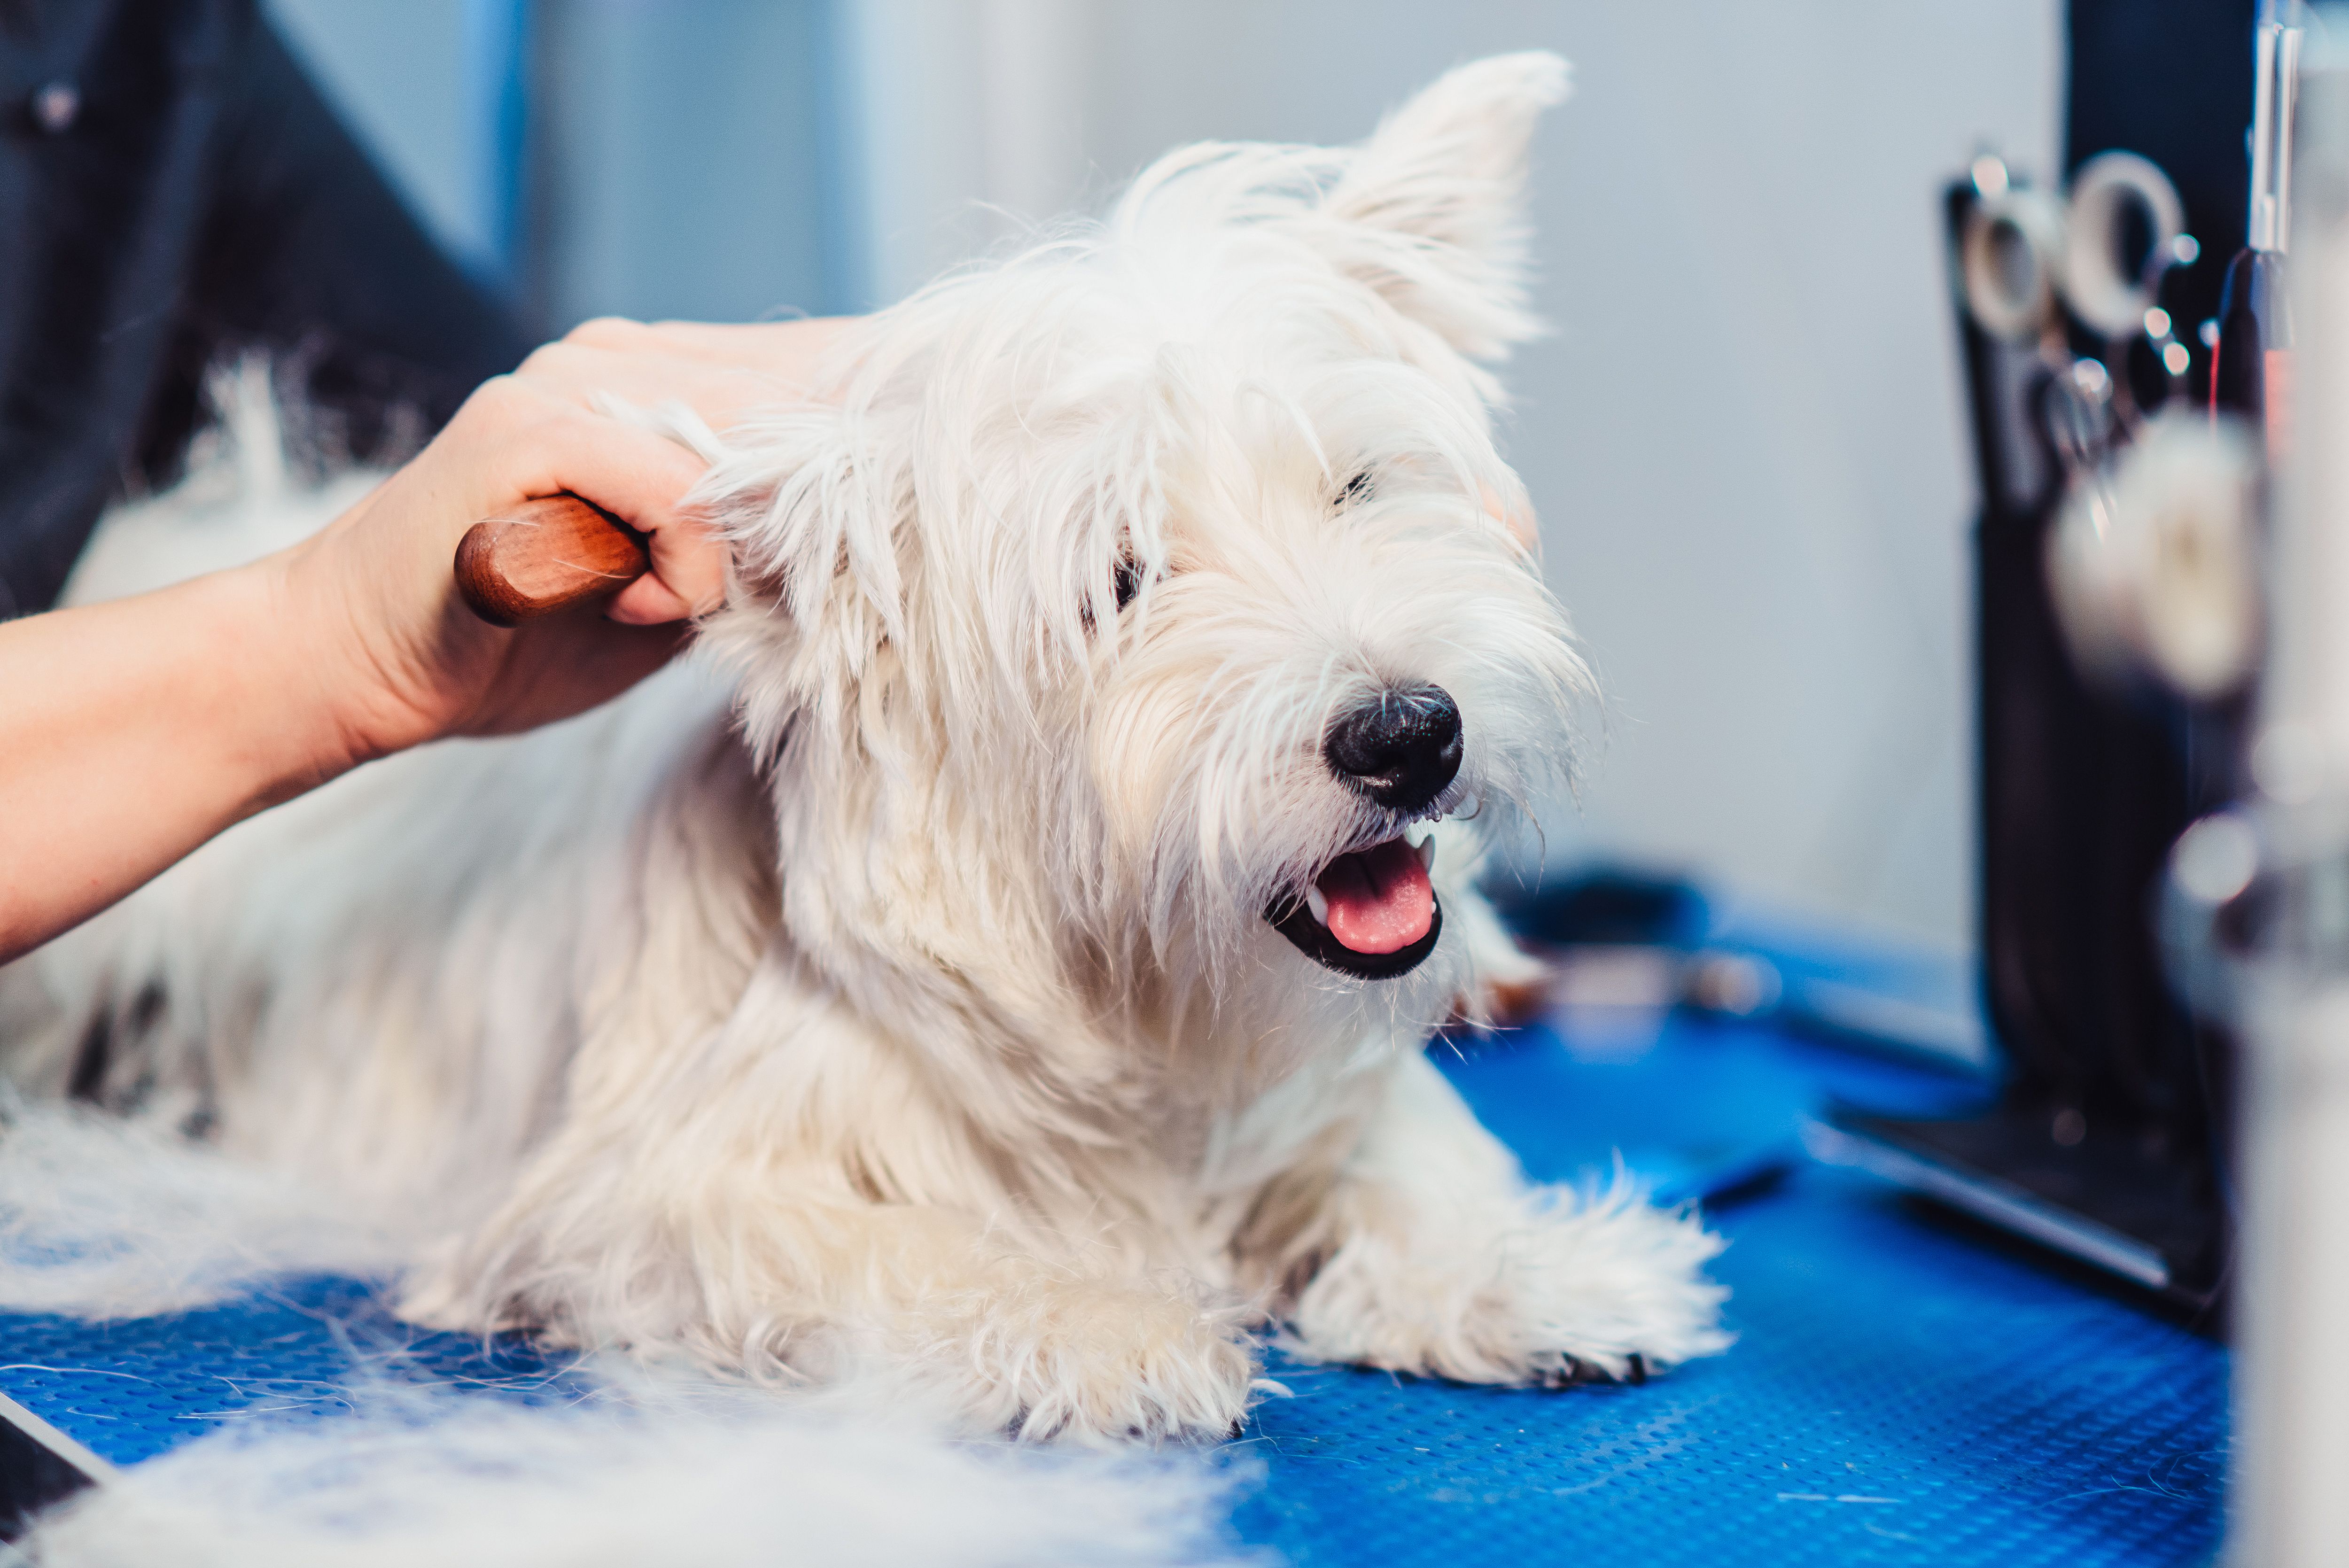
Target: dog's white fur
[(892, 989), (462, 1483), (598, 1461)]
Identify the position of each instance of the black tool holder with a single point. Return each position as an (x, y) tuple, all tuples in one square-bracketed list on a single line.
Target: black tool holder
[(2108, 1140)]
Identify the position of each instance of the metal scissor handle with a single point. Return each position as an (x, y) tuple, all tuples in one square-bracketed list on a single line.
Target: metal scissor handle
[(2023, 248), (2011, 255), (2100, 291)]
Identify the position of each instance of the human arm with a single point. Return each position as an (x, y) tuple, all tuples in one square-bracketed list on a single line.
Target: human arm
[(132, 731)]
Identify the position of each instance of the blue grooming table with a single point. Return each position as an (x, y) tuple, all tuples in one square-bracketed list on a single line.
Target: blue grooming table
[(1905, 1390)]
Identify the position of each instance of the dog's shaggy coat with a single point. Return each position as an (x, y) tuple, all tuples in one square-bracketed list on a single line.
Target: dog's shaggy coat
[(895, 985)]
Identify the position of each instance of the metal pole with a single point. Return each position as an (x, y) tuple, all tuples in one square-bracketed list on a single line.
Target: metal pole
[(2290, 1487)]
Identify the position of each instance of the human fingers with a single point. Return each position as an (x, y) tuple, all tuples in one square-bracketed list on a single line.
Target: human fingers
[(643, 479), (688, 578), (798, 351), (588, 377), (514, 440), (536, 443)]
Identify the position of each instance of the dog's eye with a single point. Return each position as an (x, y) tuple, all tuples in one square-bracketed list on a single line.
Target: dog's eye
[(1358, 489), (1128, 582)]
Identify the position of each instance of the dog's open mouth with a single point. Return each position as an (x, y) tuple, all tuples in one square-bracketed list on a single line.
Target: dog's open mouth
[(1371, 914)]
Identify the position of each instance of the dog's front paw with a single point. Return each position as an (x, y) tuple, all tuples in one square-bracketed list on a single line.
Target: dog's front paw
[(1554, 1287), (1093, 1362)]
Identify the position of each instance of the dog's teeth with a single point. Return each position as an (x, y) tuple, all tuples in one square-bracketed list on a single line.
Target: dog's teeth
[(1426, 848), (1319, 904)]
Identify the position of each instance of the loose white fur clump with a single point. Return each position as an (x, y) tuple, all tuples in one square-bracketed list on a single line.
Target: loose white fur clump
[(418, 1477), (102, 1217), (895, 989)]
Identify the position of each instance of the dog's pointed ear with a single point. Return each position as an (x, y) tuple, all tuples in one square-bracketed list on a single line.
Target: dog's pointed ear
[(1430, 210)]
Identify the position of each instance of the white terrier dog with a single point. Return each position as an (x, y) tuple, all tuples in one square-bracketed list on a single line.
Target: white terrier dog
[(1008, 959)]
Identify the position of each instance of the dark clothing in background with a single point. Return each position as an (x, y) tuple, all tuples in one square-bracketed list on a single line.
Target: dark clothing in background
[(174, 190)]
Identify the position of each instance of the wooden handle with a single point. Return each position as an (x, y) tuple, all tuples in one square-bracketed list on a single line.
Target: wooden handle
[(544, 554)]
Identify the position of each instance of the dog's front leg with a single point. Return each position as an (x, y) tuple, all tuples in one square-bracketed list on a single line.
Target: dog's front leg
[(817, 1207), (786, 1273), (1433, 1256), (1069, 1348)]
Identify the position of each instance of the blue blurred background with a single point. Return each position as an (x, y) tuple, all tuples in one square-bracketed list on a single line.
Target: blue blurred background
[(1744, 438)]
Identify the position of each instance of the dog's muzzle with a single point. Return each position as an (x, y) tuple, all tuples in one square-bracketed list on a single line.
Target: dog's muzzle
[(1372, 912)]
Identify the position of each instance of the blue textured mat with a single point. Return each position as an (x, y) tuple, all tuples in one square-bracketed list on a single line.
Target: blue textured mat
[(1903, 1392)]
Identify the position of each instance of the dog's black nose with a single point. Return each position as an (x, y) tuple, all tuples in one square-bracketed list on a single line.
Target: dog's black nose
[(1400, 748)]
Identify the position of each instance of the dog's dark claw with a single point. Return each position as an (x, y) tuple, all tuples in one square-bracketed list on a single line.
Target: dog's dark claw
[(1577, 1372)]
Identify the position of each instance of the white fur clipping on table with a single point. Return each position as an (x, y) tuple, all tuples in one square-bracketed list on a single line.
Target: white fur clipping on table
[(422, 1480), (102, 1220)]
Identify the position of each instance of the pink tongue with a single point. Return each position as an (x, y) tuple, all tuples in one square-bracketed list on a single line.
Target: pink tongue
[(1380, 901)]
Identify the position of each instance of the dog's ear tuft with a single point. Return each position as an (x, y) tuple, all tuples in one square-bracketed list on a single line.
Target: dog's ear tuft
[(1430, 210)]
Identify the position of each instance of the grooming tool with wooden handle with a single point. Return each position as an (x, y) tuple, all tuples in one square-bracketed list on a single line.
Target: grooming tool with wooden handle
[(545, 553)]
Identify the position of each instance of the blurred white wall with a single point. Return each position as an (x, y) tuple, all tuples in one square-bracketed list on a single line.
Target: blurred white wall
[(1745, 439), (967, 119)]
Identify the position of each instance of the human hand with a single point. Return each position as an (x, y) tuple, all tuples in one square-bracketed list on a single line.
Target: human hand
[(136, 729), (399, 659)]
